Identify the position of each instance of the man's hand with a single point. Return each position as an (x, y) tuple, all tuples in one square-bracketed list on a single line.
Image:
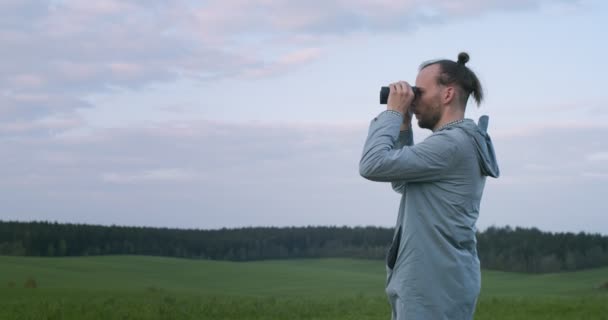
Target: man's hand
[(400, 98)]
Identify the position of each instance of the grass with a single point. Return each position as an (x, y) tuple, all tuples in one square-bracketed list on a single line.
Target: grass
[(135, 287)]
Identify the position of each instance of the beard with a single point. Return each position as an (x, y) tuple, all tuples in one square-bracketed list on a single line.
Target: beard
[(430, 119)]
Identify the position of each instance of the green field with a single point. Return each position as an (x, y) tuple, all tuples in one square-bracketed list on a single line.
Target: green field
[(134, 287)]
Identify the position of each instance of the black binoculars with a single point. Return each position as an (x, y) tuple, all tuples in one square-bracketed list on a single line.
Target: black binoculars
[(384, 91)]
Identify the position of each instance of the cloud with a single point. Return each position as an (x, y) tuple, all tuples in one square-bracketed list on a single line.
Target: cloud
[(338, 17), (554, 151), (156, 175), (69, 49), (213, 174), (283, 63), (598, 156), (598, 175), (55, 54), (39, 114), (203, 173)]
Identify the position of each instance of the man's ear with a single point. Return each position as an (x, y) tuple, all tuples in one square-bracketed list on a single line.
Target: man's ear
[(449, 94)]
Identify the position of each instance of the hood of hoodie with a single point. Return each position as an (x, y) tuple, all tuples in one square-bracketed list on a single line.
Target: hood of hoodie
[(483, 144)]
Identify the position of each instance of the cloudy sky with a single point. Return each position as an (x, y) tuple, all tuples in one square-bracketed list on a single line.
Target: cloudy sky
[(230, 113)]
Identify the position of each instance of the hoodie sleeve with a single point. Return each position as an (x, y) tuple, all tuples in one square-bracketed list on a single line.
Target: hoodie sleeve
[(424, 162)]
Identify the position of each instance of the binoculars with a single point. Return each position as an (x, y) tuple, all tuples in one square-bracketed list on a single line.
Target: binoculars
[(384, 91)]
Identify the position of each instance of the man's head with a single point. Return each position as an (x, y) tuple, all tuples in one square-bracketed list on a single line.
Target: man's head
[(445, 87)]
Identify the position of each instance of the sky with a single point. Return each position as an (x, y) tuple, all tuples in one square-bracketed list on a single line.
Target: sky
[(234, 113)]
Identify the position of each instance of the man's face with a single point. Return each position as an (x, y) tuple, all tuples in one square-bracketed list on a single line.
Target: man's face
[(428, 108)]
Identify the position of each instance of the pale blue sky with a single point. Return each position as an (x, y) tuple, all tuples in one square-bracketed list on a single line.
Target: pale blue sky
[(246, 113)]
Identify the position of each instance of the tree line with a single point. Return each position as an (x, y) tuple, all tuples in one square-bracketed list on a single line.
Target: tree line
[(500, 248)]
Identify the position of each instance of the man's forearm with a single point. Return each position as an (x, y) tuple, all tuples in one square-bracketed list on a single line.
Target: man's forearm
[(407, 122), (406, 136)]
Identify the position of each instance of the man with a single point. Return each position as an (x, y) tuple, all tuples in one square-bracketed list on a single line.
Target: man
[(432, 266)]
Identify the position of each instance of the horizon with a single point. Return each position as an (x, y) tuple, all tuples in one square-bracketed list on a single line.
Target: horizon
[(177, 114), (291, 227)]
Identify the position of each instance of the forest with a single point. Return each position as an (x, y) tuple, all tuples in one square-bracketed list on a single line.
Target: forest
[(516, 249)]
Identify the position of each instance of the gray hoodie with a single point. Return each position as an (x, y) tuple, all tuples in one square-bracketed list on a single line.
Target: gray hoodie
[(432, 265)]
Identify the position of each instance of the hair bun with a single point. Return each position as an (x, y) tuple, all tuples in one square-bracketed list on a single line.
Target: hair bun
[(463, 58)]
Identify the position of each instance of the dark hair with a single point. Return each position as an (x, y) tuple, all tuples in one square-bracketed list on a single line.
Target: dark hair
[(456, 72)]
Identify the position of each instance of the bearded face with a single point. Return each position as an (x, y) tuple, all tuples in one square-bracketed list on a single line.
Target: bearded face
[(428, 107)]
